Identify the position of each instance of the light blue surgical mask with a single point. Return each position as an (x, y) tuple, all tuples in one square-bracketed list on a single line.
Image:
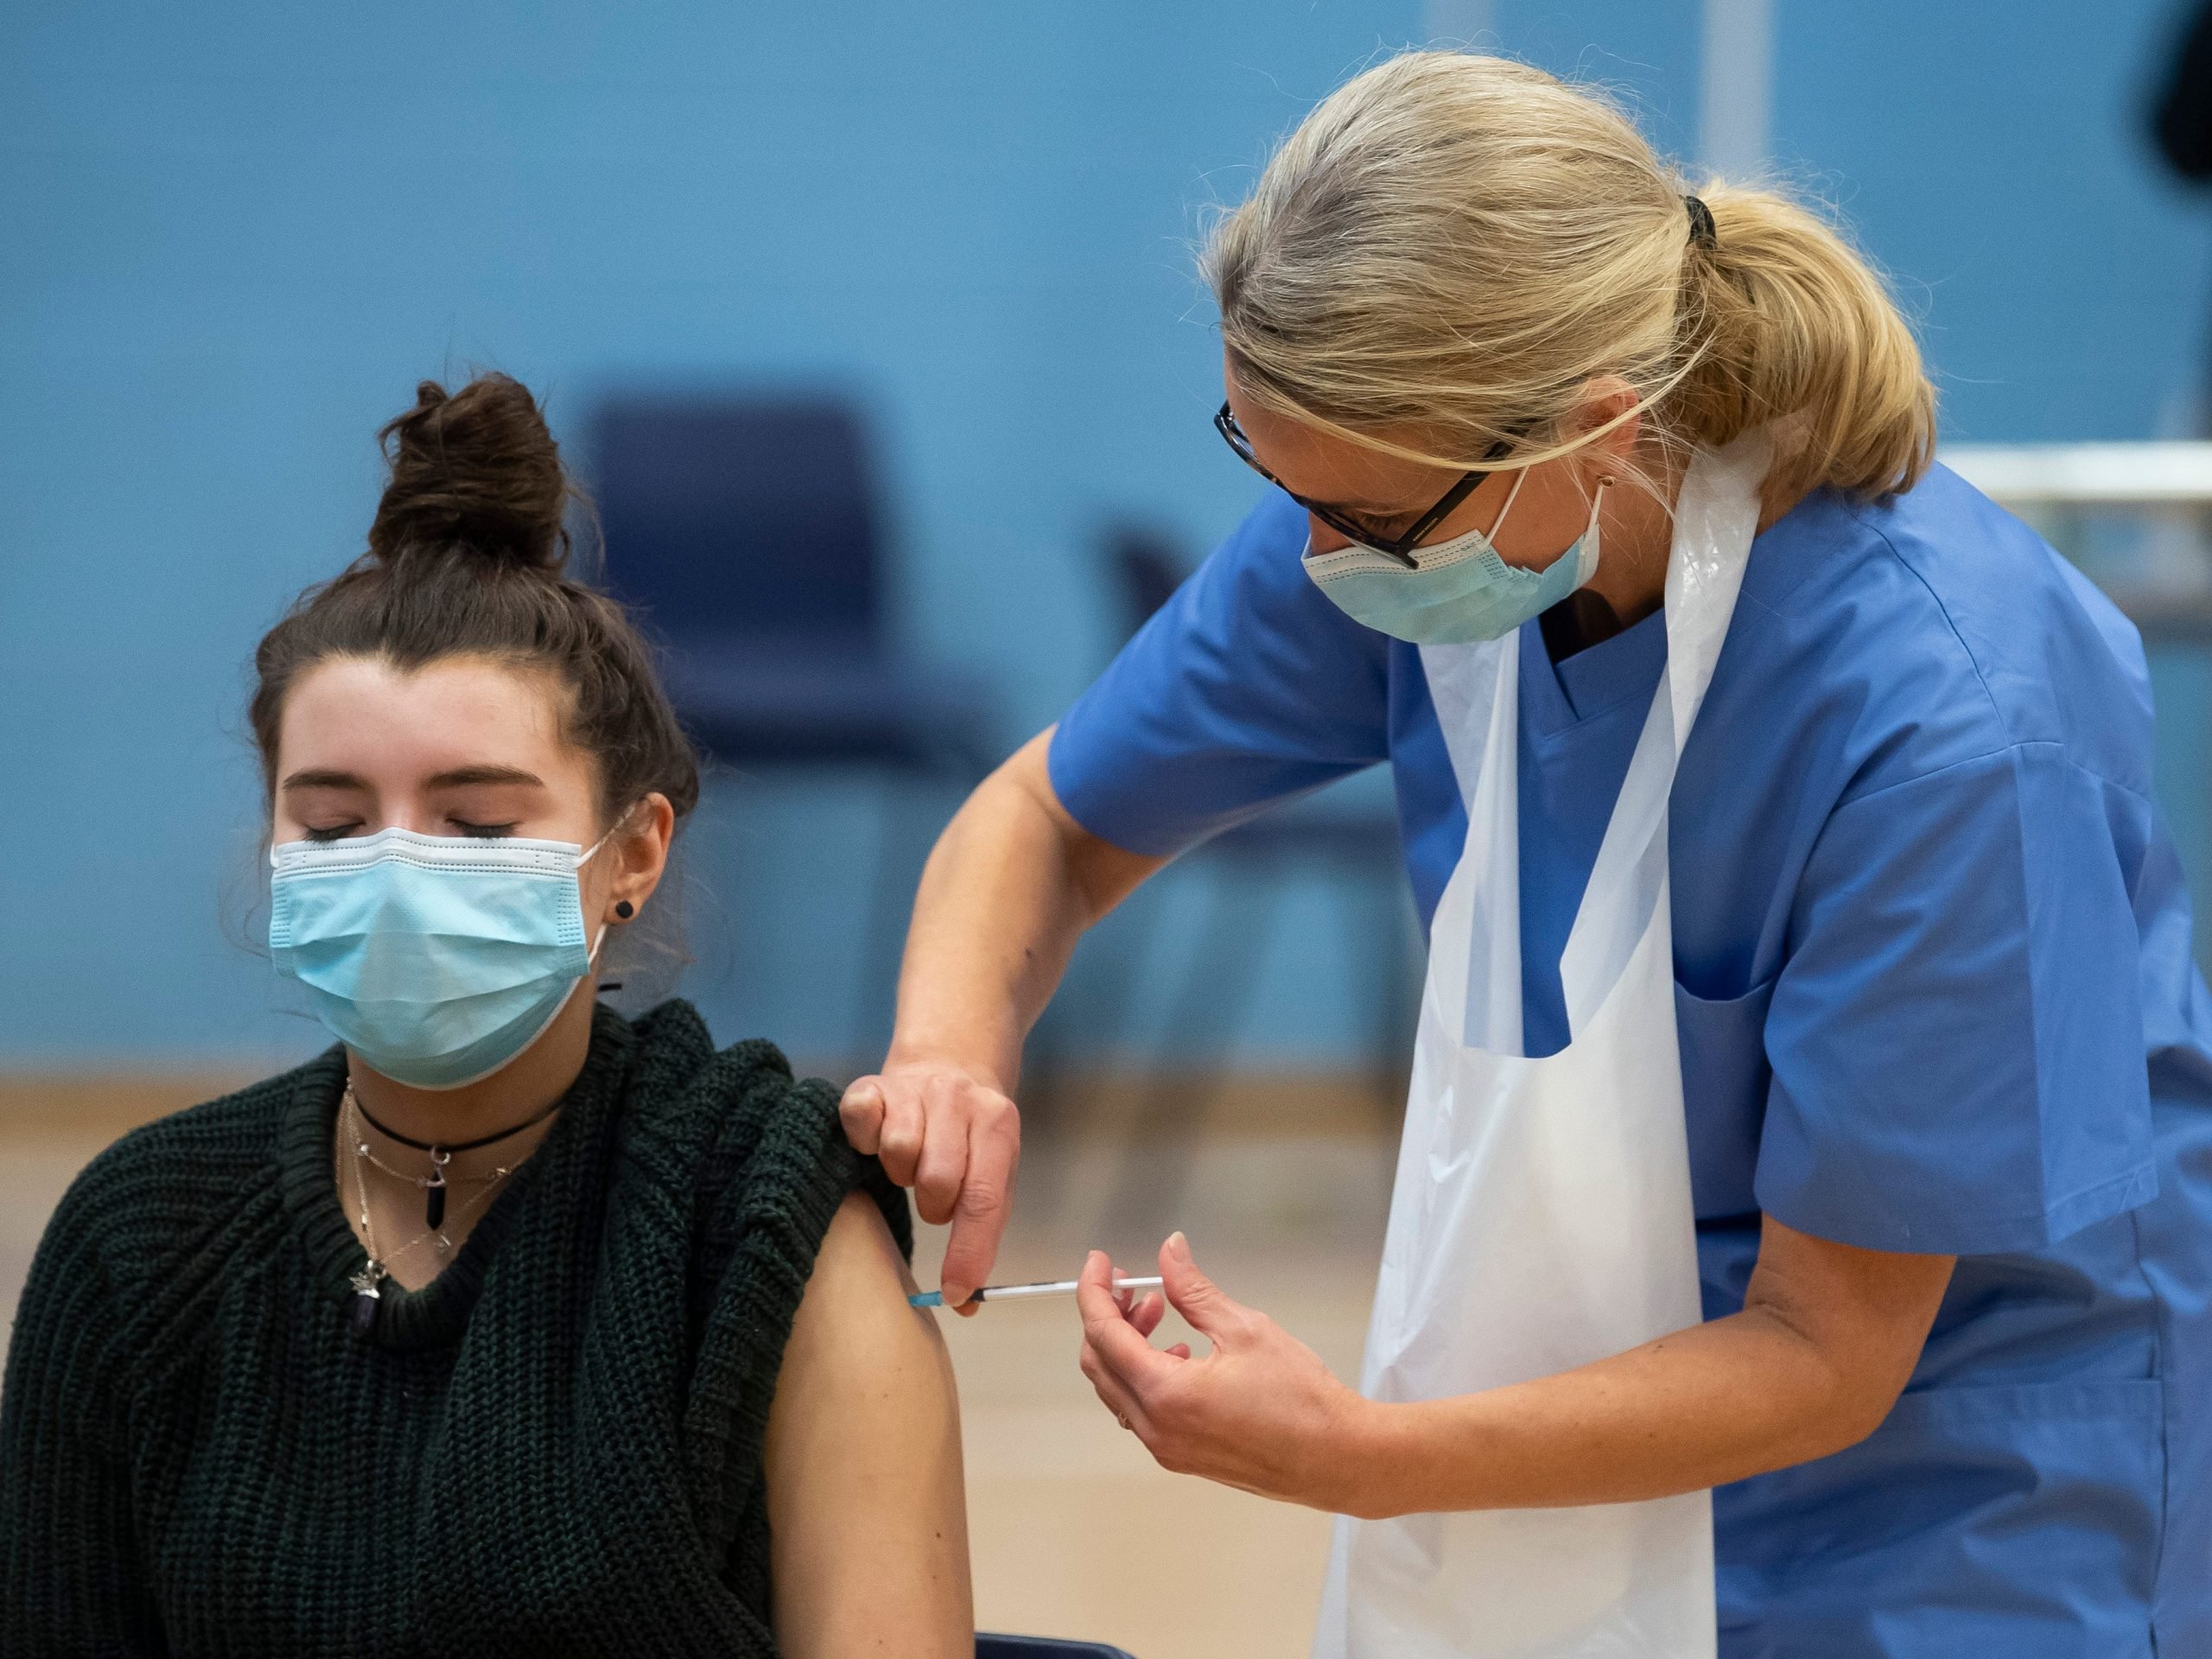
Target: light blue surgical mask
[(437, 959), (1458, 591)]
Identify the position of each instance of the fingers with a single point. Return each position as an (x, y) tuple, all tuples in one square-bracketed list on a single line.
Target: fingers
[(1114, 1394), (898, 1140), (1116, 1343), (944, 1160), (1196, 1297), (993, 1153), (1098, 1300), (1147, 1315), (861, 1113)]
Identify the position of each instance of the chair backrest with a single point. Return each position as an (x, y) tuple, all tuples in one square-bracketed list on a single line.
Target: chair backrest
[(1042, 1647), (741, 517)]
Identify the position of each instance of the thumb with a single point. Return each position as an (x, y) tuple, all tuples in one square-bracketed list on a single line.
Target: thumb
[(1196, 1297), (861, 1113)]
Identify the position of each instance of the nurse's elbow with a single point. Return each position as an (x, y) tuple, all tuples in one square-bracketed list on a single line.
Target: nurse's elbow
[(1856, 1414), (1841, 1386)]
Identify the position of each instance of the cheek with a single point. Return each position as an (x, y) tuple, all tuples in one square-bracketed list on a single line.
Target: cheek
[(1319, 538)]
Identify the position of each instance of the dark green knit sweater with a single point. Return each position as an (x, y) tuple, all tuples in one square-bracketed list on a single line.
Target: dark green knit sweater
[(553, 1448)]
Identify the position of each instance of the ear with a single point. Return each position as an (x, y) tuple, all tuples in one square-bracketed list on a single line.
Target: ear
[(639, 847), (1612, 406)]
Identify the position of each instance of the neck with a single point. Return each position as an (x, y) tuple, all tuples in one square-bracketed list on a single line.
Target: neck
[(1635, 532), (513, 1095)]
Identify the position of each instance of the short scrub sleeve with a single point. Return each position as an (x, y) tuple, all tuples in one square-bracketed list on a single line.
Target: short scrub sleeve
[(1247, 686), (1956, 1035)]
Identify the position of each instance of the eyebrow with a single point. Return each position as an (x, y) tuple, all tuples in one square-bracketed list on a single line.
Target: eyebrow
[(457, 778)]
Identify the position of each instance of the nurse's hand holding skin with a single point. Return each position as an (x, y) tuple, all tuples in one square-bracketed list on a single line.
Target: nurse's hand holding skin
[(1825, 1342), (1011, 885)]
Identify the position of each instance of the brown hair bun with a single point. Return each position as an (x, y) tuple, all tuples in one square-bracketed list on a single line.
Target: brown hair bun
[(472, 472)]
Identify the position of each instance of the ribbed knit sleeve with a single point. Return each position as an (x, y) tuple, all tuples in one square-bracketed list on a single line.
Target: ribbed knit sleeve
[(68, 1555), (781, 1167)]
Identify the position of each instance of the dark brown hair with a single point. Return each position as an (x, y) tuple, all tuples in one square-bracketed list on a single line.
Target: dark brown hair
[(467, 558)]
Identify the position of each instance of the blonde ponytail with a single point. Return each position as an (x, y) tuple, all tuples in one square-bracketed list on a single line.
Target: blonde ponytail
[(1787, 323), (1450, 248)]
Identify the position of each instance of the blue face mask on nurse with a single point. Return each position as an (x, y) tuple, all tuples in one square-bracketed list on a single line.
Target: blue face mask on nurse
[(1411, 550), (1438, 579)]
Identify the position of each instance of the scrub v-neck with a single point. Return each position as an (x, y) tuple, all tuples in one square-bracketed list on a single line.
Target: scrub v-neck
[(1579, 720)]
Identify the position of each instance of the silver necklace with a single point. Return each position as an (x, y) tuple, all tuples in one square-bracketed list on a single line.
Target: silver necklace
[(367, 1282)]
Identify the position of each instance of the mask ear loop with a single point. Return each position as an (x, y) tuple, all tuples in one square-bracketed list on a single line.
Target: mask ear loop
[(1512, 496), (1590, 540), (600, 938)]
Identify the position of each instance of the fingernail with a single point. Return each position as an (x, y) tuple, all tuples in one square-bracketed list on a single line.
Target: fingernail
[(1178, 1246)]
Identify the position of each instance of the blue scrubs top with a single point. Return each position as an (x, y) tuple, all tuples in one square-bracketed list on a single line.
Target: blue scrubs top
[(1934, 988)]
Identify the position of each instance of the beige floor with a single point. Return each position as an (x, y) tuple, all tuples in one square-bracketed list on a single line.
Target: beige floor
[(1074, 1531)]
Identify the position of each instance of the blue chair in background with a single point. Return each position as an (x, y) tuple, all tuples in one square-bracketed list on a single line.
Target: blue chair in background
[(1042, 1647), (749, 531)]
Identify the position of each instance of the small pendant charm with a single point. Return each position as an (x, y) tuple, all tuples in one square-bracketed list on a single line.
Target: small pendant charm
[(365, 1297), (433, 1192)]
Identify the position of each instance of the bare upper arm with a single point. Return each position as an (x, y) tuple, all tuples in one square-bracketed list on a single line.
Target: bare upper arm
[(1865, 1312), (867, 1509), (1104, 874)]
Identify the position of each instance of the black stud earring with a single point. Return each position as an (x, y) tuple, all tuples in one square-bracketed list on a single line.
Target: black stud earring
[(625, 909)]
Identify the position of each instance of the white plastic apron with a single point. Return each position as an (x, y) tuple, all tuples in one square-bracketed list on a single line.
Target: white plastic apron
[(1542, 1216)]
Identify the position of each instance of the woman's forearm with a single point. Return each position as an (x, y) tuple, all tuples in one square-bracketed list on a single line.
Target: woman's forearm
[(1827, 1338), (1717, 1402), (1009, 888)]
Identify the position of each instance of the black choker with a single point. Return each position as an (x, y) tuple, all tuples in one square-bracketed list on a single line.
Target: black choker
[(434, 1190)]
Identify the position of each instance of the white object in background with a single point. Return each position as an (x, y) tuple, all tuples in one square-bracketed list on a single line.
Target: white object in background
[(2087, 474), (1542, 1217), (1463, 23), (1736, 86)]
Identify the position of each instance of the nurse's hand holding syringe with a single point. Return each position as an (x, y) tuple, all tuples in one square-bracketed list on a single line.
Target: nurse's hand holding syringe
[(1826, 1339), (1012, 883)]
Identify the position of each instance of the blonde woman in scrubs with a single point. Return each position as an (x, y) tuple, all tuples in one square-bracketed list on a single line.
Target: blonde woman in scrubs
[(1800, 1244)]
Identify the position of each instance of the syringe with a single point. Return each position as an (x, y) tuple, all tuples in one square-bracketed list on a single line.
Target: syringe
[(1015, 1293)]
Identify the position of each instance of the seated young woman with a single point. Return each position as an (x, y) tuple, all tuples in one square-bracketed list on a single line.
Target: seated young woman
[(508, 1325)]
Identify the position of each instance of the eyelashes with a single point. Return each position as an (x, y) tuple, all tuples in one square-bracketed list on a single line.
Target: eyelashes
[(461, 828)]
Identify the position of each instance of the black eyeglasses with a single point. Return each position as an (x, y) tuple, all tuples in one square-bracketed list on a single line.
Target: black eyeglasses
[(1400, 548)]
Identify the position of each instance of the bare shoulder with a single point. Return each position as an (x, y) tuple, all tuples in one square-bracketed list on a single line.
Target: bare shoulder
[(866, 1502)]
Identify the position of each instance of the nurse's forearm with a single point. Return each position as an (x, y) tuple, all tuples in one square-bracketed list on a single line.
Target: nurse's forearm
[(1827, 1338), (1010, 887)]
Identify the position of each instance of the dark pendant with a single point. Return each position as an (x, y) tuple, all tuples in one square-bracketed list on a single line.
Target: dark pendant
[(434, 1205), (363, 1314)]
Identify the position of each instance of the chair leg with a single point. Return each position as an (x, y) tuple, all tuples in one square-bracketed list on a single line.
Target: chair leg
[(884, 948), (1217, 990)]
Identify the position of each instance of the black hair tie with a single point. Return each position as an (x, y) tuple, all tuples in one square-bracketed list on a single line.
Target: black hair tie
[(1702, 234)]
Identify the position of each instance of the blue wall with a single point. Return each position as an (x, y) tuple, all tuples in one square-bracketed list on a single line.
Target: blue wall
[(231, 236)]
